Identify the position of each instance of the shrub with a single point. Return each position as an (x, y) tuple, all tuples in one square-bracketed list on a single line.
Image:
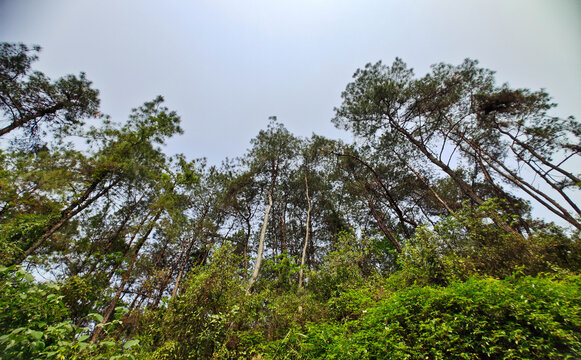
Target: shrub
[(344, 268), (515, 318), (469, 243), (196, 322), (35, 323)]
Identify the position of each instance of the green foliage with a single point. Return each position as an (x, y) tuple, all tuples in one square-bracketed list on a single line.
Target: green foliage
[(34, 323), (26, 182), (122, 223), (214, 317), (80, 294), (468, 242), (33, 318), (279, 274), (32, 102), (196, 323), (344, 268), (516, 318)]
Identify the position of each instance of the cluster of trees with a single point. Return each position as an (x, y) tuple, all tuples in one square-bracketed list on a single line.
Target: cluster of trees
[(158, 256)]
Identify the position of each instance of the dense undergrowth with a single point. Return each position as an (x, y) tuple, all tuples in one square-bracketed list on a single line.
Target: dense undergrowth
[(348, 309)]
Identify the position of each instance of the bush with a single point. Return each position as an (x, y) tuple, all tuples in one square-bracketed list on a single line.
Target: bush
[(35, 323), (516, 318), (469, 243), (344, 268), (32, 317), (197, 322)]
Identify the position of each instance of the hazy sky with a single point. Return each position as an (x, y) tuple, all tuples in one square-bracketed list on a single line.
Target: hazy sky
[(226, 66)]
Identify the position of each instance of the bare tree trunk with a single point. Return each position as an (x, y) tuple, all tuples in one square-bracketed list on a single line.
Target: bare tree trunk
[(307, 232), (76, 207), (186, 254), (544, 175), (261, 243), (388, 195), (541, 158), (459, 181), (110, 240), (425, 182), (248, 232), (125, 279), (128, 250), (382, 226), (282, 217), (182, 268), (543, 198)]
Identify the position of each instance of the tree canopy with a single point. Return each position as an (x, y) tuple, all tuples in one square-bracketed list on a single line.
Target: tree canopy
[(416, 240), (31, 102)]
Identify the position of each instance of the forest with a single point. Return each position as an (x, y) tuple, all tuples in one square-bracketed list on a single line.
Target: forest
[(449, 228)]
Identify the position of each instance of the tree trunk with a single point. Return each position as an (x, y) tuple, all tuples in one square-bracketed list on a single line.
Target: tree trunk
[(125, 279), (542, 159), (382, 227), (307, 232), (185, 255), (459, 181), (543, 198), (388, 195), (434, 192), (76, 207), (261, 243)]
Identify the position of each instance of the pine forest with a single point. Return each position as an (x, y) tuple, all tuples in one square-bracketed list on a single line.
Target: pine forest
[(448, 228)]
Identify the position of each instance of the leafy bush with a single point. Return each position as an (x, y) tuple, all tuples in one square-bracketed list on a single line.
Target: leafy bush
[(344, 268), (279, 274), (35, 323), (468, 242), (516, 318), (196, 323), (33, 318), (214, 317)]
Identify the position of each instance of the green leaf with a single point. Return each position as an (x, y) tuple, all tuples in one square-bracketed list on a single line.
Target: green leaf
[(37, 335), (130, 343), (108, 343), (96, 317)]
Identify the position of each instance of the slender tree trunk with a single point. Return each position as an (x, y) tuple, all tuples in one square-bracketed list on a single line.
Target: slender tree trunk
[(543, 198), (76, 207), (542, 159), (186, 254), (501, 168), (125, 279), (388, 195), (498, 190), (425, 182), (544, 176), (248, 233), (459, 181), (282, 217), (382, 227), (150, 273), (184, 262), (164, 284), (307, 233), (128, 249), (261, 243), (110, 240)]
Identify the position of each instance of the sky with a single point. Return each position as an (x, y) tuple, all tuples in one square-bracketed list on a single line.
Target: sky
[(226, 66)]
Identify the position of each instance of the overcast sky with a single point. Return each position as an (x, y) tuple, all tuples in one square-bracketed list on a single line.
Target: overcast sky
[(226, 66)]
